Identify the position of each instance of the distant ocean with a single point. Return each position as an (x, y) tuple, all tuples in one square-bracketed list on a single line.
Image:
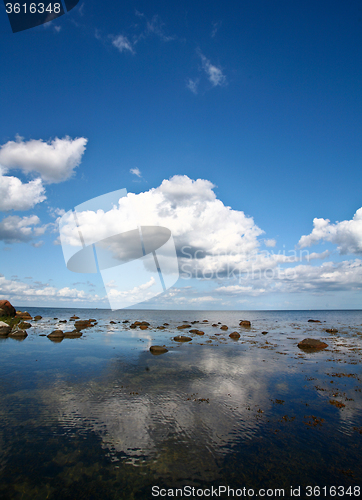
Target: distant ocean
[(102, 417)]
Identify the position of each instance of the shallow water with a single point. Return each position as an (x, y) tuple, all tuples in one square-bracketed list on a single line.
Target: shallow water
[(101, 417)]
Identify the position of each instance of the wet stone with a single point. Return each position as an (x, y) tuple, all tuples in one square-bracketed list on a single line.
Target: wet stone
[(234, 335), (312, 344), (158, 349), (182, 338)]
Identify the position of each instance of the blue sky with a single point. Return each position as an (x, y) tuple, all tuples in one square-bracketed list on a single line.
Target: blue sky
[(260, 101)]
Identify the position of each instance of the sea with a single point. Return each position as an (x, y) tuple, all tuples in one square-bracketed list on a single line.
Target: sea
[(102, 417)]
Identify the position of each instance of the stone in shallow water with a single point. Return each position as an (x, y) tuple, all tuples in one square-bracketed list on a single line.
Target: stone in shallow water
[(234, 335), (312, 344), (56, 334), (18, 334), (198, 332), (158, 349), (244, 322), (182, 338), (332, 330), (224, 327), (38, 317), (181, 327), (74, 334), (4, 329)]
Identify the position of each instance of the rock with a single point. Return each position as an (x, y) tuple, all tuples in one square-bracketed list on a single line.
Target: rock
[(94, 320), (18, 334), (62, 321), (214, 324), (5, 329), (332, 330), (23, 315), (74, 334), (37, 318), (312, 344), (314, 321), (74, 317), (224, 327), (166, 324), (198, 332), (80, 325), (181, 327), (158, 349), (234, 335), (245, 323), (181, 338), (56, 334), (205, 321), (143, 327), (264, 333), (112, 322), (133, 326), (125, 321), (161, 327), (24, 326), (6, 309)]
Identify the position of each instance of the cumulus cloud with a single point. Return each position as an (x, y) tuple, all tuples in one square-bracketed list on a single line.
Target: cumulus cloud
[(14, 195), (15, 229), (54, 160), (214, 74), (43, 292), (346, 234), (122, 43), (206, 232)]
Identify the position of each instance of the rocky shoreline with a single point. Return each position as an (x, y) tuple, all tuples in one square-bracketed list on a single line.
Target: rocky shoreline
[(14, 324)]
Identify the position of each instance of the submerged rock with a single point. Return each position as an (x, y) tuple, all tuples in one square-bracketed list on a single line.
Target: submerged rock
[(332, 330), (143, 327), (161, 327), (74, 317), (234, 335), (80, 325), (182, 338), (244, 322), (264, 333), (112, 322), (74, 334), (198, 332), (224, 327), (158, 349), (38, 317), (314, 321), (312, 344), (181, 327)]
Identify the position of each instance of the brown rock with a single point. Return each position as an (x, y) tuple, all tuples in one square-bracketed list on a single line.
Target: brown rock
[(314, 321), (312, 344), (56, 334), (205, 321), (182, 338), (5, 329), (80, 325), (37, 318), (332, 330), (245, 323), (18, 334), (214, 324), (6, 309), (234, 335), (74, 317), (166, 324), (181, 327), (143, 327), (24, 326), (125, 321), (74, 334), (264, 333), (158, 349), (224, 327), (62, 321), (198, 332), (161, 327), (23, 315), (112, 322)]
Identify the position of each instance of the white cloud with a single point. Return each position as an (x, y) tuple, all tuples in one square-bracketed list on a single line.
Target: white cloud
[(346, 234), (214, 74), (123, 44), (15, 229), (270, 243), (136, 171), (14, 195), (192, 85), (55, 160)]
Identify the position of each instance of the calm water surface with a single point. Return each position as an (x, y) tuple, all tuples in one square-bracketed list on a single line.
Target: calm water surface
[(101, 417)]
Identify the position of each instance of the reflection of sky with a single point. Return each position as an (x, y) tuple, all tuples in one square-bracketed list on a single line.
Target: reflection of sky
[(196, 403)]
